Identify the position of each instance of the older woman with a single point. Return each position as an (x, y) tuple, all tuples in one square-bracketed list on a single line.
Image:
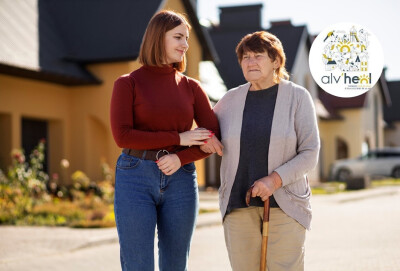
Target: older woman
[(270, 137)]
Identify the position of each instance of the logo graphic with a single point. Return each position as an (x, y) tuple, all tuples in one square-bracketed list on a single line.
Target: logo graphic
[(346, 60)]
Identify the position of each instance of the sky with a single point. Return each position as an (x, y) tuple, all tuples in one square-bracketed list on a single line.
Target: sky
[(382, 18)]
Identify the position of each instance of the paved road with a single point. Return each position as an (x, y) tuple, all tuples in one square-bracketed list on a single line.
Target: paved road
[(351, 231), (360, 234)]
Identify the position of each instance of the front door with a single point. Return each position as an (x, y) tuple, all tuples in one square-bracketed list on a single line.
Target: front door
[(32, 132)]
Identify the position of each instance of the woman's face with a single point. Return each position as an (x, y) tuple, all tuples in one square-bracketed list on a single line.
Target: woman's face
[(258, 67), (176, 43)]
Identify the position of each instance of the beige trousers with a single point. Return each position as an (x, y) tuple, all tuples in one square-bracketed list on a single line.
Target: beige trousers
[(243, 236)]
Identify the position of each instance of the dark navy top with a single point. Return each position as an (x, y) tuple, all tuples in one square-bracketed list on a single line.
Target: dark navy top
[(254, 146)]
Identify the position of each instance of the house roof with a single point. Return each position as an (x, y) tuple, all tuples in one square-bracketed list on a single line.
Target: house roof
[(54, 40), (235, 23), (291, 38), (336, 103), (392, 112), (333, 103)]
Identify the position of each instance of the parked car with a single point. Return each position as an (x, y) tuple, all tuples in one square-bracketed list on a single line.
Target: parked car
[(379, 162)]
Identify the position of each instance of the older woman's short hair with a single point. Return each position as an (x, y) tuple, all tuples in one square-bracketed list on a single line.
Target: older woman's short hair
[(260, 42), (152, 50)]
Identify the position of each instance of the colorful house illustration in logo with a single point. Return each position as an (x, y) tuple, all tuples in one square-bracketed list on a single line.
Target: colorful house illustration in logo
[(353, 35), (358, 63), (347, 52), (364, 63), (330, 34), (331, 65)]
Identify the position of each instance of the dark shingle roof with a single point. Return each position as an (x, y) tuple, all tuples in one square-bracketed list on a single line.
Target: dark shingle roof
[(336, 103), (392, 113), (225, 43), (100, 30), (52, 40), (291, 38)]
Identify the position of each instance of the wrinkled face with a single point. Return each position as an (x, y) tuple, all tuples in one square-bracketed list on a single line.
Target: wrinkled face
[(176, 43), (258, 67)]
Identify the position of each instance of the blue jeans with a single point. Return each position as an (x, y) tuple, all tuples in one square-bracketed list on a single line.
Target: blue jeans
[(144, 198)]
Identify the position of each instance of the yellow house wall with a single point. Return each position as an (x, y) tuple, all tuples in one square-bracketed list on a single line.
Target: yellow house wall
[(20, 98), (350, 131), (372, 110), (92, 137), (78, 119), (357, 127)]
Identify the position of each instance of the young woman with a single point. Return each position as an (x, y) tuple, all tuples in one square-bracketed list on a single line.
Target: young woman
[(152, 113)]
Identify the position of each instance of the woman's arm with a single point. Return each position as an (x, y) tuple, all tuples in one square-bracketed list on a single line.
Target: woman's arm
[(123, 128)]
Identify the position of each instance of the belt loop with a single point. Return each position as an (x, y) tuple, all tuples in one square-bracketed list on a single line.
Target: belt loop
[(144, 154)]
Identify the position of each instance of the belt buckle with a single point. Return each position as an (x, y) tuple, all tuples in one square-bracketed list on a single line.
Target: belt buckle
[(162, 151)]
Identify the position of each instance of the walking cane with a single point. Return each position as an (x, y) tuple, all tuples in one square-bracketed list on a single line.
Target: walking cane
[(264, 243)]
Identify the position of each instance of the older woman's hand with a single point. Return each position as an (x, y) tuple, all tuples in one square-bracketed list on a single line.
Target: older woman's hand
[(265, 186), (213, 145), (195, 137)]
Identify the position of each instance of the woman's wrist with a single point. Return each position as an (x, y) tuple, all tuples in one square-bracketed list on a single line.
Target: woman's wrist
[(277, 180)]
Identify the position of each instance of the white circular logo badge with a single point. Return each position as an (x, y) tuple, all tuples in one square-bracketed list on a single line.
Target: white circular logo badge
[(346, 60)]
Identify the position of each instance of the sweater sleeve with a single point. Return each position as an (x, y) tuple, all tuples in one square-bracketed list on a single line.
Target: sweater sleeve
[(308, 143), (122, 126), (204, 118)]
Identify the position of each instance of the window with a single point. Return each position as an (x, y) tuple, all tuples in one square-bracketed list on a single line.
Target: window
[(341, 149)]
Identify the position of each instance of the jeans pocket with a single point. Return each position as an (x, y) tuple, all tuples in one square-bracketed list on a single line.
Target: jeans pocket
[(189, 168), (127, 162)]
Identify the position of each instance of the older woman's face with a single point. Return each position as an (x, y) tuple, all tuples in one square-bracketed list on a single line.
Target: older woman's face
[(258, 67)]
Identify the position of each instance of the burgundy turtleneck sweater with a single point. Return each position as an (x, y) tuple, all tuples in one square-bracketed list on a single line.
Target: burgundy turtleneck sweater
[(152, 105)]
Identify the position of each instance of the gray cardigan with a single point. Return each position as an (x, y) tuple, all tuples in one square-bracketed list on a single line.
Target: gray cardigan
[(293, 149)]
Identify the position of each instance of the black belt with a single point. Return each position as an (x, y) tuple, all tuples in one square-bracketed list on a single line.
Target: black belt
[(145, 154)]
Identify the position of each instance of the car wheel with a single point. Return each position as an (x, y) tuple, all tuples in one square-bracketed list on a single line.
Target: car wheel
[(396, 173), (343, 175)]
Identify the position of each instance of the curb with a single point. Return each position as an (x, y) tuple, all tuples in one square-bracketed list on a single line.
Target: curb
[(370, 195), (97, 242), (207, 220)]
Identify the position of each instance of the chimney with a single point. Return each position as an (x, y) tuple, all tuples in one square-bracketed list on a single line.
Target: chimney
[(240, 17), (281, 23)]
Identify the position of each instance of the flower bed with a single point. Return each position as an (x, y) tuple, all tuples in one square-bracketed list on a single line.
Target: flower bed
[(29, 197)]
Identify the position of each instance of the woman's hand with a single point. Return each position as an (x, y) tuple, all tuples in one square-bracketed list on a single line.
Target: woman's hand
[(213, 145), (195, 137), (264, 187), (169, 164)]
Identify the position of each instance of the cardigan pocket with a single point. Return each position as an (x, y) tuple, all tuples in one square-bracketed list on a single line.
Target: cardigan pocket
[(299, 189)]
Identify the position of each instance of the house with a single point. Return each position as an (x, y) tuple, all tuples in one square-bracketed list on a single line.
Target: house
[(358, 63), (392, 116), (364, 63), (58, 63), (331, 65), (352, 125)]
